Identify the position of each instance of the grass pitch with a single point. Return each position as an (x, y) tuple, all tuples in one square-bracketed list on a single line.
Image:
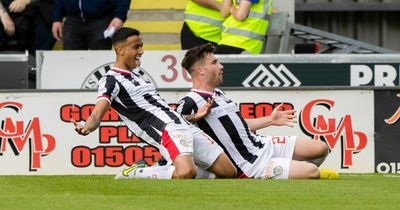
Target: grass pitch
[(368, 191)]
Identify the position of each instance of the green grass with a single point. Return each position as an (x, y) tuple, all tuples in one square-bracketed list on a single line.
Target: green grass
[(102, 192)]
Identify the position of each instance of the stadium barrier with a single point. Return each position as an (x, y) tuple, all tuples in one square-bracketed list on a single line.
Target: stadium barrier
[(387, 130), (83, 69), (14, 71), (37, 138), (360, 124)]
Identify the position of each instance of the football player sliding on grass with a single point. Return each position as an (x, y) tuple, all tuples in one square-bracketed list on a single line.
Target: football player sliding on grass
[(149, 117), (255, 156)]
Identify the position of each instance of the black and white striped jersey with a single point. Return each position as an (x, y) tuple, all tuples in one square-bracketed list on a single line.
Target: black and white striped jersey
[(225, 125), (138, 104)]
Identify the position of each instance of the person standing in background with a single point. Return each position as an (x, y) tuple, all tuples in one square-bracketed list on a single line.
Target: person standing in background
[(16, 25), (246, 26), (202, 23), (44, 39), (86, 21), (7, 27)]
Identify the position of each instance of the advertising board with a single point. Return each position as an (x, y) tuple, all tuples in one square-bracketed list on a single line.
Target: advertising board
[(37, 137), (387, 129), (83, 69)]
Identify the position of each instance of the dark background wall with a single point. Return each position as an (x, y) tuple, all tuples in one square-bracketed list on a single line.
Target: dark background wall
[(373, 21)]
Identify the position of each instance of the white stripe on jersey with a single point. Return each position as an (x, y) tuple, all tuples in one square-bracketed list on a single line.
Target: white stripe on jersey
[(225, 125), (137, 102)]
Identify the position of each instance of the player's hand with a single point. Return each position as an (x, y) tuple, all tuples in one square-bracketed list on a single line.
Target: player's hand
[(9, 26), (281, 118), (18, 5), (80, 129), (205, 110)]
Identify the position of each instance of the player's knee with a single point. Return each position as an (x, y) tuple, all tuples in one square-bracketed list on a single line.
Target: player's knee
[(320, 156), (323, 149), (232, 173), (320, 149), (223, 167), (228, 172), (313, 172), (185, 173)]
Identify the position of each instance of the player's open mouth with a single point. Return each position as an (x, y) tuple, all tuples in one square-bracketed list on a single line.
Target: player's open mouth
[(137, 61)]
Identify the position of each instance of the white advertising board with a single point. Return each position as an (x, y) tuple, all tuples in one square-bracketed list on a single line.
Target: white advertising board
[(83, 69), (36, 136), (344, 119)]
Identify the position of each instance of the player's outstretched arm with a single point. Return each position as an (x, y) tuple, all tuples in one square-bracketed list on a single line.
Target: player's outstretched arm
[(93, 122), (277, 117)]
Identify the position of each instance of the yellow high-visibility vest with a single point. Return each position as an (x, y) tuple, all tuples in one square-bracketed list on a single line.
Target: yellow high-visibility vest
[(204, 22), (250, 33)]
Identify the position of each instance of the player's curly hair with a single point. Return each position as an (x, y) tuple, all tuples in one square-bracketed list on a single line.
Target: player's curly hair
[(195, 55)]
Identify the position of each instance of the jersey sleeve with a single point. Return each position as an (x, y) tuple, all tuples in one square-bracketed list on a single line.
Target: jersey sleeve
[(186, 106), (108, 89)]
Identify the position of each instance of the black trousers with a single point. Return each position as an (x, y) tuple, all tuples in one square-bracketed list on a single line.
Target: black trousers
[(225, 49), (79, 34), (189, 40)]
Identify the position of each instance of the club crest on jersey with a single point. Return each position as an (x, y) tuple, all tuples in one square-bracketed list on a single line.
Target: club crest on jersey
[(92, 80)]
